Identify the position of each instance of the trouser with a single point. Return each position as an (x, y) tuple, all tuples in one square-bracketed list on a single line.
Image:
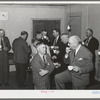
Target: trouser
[(63, 77), (4, 67), (20, 73)]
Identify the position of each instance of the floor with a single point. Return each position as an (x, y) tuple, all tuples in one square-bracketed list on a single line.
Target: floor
[(29, 85)]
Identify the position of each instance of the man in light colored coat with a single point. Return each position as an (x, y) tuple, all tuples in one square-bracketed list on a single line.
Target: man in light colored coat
[(80, 64)]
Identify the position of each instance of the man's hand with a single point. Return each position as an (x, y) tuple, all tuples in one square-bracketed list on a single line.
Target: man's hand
[(43, 72), (54, 57), (67, 50), (5, 49), (76, 68)]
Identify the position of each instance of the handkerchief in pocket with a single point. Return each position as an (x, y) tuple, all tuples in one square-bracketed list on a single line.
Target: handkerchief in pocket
[(80, 59)]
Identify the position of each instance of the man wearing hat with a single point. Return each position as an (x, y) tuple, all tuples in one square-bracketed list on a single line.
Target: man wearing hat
[(42, 67)]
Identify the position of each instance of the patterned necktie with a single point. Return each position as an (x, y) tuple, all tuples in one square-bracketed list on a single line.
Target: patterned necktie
[(44, 59)]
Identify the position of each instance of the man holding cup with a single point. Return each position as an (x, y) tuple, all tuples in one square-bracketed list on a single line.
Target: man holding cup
[(80, 60)]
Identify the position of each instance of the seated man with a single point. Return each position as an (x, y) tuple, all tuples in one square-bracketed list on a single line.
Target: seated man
[(42, 67), (80, 60)]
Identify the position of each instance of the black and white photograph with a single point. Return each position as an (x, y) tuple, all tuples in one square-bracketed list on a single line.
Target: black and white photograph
[(50, 46)]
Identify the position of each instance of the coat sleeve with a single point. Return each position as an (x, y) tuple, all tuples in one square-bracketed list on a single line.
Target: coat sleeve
[(35, 64), (27, 48), (8, 44)]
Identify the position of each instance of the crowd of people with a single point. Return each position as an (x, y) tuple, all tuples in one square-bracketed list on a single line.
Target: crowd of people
[(64, 59)]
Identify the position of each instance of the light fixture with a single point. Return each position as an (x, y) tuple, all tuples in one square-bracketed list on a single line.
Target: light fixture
[(69, 20)]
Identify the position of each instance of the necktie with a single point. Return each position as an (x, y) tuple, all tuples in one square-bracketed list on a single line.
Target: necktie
[(54, 43), (74, 53), (86, 42), (44, 59)]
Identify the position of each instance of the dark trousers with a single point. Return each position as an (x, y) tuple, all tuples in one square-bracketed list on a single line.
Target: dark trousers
[(4, 67), (20, 73)]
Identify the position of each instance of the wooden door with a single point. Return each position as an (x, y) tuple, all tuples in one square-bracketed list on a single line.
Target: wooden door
[(75, 22), (49, 25)]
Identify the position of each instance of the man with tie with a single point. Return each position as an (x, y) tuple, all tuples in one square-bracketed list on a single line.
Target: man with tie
[(80, 63), (92, 44), (57, 45), (42, 67), (4, 64)]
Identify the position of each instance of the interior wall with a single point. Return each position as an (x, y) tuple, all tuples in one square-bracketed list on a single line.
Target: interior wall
[(81, 9), (94, 19), (20, 18)]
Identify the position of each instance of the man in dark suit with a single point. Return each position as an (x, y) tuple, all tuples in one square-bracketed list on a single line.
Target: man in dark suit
[(92, 44), (80, 60), (57, 45), (45, 37), (4, 64), (42, 67), (62, 49), (21, 57)]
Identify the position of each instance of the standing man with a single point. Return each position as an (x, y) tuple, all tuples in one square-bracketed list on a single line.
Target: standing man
[(21, 57), (4, 64), (42, 67), (56, 44), (92, 44), (80, 61), (64, 45)]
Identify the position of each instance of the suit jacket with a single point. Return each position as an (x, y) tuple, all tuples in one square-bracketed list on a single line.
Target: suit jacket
[(6, 43), (83, 59), (21, 50), (37, 64), (60, 45), (92, 46)]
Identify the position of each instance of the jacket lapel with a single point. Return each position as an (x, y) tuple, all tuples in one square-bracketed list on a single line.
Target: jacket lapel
[(72, 56), (41, 62)]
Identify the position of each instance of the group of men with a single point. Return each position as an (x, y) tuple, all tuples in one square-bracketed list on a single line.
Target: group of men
[(51, 60)]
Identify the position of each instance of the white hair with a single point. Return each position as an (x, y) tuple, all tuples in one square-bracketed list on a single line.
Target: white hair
[(75, 39)]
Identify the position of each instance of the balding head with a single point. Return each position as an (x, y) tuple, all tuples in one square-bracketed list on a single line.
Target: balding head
[(74, 42), (89, 32)]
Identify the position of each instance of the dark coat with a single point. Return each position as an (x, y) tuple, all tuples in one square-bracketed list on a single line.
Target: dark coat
[(83, 59), (21, 50), (92, 46), (7, 43)]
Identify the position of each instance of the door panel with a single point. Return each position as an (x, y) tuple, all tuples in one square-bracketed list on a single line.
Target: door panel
[(75, 22)]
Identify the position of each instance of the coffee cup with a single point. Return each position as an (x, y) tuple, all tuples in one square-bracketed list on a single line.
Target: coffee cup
[(70, 67)]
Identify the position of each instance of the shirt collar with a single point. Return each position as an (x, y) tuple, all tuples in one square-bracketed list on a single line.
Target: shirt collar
[(57, 38)]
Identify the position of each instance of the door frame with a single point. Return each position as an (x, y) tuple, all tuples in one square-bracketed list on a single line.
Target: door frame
[(44, 19)]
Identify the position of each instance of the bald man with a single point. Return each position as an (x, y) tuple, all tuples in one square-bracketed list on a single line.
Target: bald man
[(42, 67), (80, 63)]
